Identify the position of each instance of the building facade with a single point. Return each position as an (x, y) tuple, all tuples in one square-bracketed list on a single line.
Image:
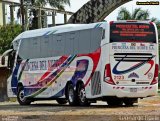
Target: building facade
[(1, 13)]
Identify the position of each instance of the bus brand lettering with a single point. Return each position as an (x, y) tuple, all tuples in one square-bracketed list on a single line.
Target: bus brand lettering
[(123, 44), (142, 44), (120, 47)]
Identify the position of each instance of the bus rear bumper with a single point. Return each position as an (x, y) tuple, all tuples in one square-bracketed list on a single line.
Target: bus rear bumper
[(131, 91)]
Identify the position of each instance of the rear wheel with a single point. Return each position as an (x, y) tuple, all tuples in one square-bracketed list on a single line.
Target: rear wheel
[(61, 101), (114, 101), (82, 96), (71, 95), (21, 97)]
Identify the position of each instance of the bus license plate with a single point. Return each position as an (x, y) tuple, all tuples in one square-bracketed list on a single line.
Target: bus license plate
[(133, 89)]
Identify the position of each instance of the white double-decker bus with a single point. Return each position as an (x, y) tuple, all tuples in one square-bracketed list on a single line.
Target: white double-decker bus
[(116, 62)]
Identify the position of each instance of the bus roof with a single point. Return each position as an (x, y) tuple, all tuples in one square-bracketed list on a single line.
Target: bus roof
[(132, 21), (57, 29)]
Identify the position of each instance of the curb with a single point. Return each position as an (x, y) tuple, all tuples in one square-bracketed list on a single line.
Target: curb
[(13, 99)]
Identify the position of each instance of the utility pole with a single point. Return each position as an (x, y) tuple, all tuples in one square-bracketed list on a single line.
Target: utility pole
[(65, 18), (12, 14), (26, 18), (4, 13), (53, 18), (39, 18), (22, 13)]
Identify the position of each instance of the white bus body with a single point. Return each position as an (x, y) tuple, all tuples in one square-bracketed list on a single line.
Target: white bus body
[(115, 62)]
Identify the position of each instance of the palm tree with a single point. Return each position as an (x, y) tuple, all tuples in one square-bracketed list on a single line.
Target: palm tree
[(58, 4), (158, 27), (138, 14)]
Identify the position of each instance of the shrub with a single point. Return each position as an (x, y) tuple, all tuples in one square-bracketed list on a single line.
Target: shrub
[(7, 34)]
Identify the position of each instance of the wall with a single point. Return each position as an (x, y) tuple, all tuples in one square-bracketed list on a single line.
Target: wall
[(1, 14), (4, 72)]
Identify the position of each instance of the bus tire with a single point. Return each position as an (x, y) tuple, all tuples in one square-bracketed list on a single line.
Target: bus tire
[(114, 102), (82, 95), (61, 101), (20, 97), (71, 95)]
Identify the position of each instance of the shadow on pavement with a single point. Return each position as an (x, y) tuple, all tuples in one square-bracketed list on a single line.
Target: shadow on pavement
[(53, 107)]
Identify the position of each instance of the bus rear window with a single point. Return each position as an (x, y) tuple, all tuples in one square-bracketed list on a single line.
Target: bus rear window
[(132, 32)]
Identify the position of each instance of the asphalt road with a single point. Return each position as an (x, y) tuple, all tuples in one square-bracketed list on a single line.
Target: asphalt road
[(146, 109)]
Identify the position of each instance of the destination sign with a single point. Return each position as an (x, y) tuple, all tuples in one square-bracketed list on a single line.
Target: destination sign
[(132, 32)]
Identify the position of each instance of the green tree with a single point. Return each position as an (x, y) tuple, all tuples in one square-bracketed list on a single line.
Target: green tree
[(58, 4), (137, 14), (158, 27), (7, 34), (159, 34)]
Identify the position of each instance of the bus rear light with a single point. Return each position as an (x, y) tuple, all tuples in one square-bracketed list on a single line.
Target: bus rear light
[(111, 22), (118, 87), (151, 23), (146, 88), (122, 87), (107, 75), (155, 79)]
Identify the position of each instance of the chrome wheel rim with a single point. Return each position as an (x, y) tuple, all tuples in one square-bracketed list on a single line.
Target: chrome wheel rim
[(82, 95), (71, 95), (21, 96)]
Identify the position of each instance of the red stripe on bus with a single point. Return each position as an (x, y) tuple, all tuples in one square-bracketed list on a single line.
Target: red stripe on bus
[(95, 57), (56, 64)]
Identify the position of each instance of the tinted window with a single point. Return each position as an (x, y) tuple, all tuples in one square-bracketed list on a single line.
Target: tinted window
[(97, 34), (123, 32), (30, 48), (84, 41), (69, 43)]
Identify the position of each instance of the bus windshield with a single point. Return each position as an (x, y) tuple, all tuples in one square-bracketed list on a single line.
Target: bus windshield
[(132, 32)]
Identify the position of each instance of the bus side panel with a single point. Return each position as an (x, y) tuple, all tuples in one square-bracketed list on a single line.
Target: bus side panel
[(45, 80), (51, 82)]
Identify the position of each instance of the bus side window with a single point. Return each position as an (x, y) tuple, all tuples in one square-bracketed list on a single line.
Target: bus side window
[(50, 46), (76, 42), (96, 36), (34, 51), (30, 48), (52, 39), (45, 46), (84, 41), (24, 49), (69, 41), (59, 45), (11, 59)]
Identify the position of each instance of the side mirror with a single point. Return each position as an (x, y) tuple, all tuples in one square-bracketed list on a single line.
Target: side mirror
[(3, 60)]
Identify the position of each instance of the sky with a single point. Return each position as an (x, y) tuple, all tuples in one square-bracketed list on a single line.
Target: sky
[(77, 4), (154, 10)]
